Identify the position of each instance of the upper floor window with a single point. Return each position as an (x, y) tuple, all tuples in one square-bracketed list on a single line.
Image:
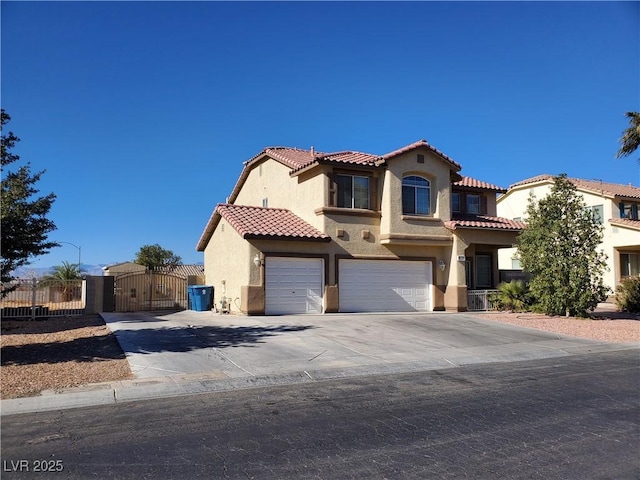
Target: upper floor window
[(629, 210), (455, 202), (473, 203), (353, 191), (597, 213), (416, 196)]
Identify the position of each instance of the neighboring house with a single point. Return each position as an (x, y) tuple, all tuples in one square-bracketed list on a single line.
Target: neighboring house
[(124, 267), (311, 232), (615, 206)]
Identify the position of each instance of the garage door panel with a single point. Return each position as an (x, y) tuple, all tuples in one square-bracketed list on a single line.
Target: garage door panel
[(384, 286), (293, 285)]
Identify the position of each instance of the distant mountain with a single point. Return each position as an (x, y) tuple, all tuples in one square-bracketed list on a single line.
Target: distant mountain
[(31, 272), (94, 270)]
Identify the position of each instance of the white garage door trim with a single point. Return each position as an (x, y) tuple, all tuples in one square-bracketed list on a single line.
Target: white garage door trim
[(293, 285), (385, 285)]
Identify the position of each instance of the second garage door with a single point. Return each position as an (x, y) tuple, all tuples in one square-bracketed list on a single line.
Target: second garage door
[(384, 285), (293, 285)]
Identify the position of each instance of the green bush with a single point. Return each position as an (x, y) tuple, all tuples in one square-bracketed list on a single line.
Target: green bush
[(511, 296), (628, 295)]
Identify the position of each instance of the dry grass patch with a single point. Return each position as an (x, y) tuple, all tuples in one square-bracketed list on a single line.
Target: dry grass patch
[(58, 353)]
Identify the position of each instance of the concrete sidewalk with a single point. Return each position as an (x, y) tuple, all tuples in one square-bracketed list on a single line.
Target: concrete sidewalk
[(192, 352)]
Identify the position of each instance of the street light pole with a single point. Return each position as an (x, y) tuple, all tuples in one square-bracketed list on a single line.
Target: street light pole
[(79, 250)]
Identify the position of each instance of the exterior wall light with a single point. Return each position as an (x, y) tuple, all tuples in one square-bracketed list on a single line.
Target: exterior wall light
[(256, 260), (442, 265)]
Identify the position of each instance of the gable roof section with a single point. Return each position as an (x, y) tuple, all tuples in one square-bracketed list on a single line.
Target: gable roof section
[(479, 184), (484, 222), (421, 144), (606, 189), (261, 223)]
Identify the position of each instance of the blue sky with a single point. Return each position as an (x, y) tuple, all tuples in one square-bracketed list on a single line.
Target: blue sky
[(143, 112)]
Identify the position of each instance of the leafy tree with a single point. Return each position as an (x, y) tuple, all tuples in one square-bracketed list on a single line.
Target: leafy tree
[(630, 140), (154, 256), (24, 222), (63, 276), (559, 248)]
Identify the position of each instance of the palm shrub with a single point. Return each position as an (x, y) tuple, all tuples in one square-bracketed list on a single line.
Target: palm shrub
[(63, 276), (628, 295), (513, 295)]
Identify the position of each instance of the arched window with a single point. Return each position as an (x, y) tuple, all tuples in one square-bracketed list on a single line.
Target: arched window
[(416, 196)]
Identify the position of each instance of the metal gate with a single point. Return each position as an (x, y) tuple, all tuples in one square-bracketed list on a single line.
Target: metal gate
[(150, 290), (33, 298)]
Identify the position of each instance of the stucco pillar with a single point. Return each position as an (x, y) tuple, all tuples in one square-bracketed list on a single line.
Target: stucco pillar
[(455, 296)]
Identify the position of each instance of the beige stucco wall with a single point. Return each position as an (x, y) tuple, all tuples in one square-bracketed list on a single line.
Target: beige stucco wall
[(270, 179), (439, 174), (227, 261)]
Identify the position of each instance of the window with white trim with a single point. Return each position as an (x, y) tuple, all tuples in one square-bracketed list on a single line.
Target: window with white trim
[(597, 213), (416, 195)]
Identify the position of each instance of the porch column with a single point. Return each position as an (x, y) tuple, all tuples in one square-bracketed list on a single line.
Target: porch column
[(455, 296)]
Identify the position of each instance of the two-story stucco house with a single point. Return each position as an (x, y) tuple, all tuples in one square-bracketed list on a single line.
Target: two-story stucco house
[(311, 232), (616, 206)]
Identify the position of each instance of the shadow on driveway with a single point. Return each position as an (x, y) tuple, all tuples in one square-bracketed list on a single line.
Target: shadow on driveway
[(185, 339)]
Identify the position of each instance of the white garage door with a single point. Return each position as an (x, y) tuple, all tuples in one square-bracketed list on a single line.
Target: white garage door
[(293, 285), (385, 286)]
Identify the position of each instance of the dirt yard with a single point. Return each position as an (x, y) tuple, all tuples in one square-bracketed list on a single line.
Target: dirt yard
[(57, 353)]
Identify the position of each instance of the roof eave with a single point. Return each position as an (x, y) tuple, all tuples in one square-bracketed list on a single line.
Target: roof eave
[(496, 229), (207, 233), (286, 238)]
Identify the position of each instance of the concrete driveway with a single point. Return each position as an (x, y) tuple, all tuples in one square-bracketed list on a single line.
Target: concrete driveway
[(324, 346)]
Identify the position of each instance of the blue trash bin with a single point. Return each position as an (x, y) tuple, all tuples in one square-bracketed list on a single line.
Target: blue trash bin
[(200, 297)]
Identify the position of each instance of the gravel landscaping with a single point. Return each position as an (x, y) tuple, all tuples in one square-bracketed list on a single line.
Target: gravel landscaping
[(58, 353), (64, 352), (607, 324)]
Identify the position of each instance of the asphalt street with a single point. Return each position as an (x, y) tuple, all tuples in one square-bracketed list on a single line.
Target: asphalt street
[(570, 417)]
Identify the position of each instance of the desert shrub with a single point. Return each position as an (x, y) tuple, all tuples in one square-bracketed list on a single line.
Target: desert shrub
[(628, 295), (513, 295)]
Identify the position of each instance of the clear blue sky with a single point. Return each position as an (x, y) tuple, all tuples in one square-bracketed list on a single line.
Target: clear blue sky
[(143, 112)]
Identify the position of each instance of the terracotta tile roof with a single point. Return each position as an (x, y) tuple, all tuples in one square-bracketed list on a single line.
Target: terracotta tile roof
[(352, 157), (484, 222), (419, 144), (294, 158), (472, 182), (625, 222), (297, 159), (594, 186), (268, 223)]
